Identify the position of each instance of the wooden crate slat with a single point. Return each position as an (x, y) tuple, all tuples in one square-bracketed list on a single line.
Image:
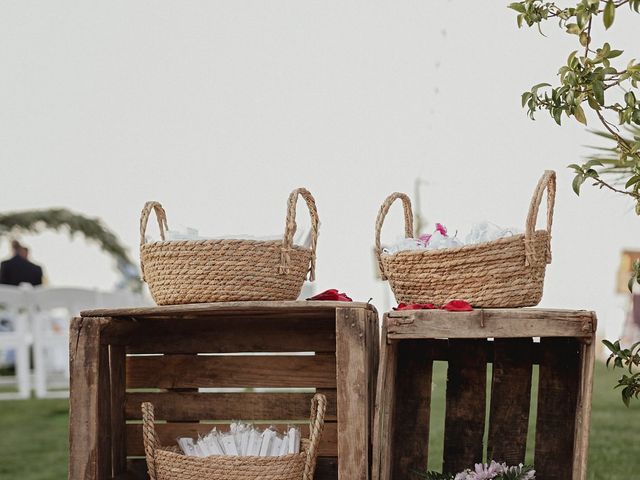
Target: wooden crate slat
[(117, 360), (510, 400), (326, 469), (89, 410), (412, 411), (557, 401), (192, 406), (465, 405), (285, 308), (490, 323), (168, 432), (353, 406), (267, 333), (268, 371)]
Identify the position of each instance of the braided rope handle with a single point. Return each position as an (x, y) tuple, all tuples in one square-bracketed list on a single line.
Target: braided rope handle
[(290, 230), (150, 438), (547, 182), (408, 223), (316, 425), (161, 216)]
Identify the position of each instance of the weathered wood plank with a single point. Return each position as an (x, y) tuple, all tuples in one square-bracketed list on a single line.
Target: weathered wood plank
[(510, 400), (269, 333), (373, 352), (168, 432), (191, 406), (583, 417), (465, 405), (118, 389), (557, 400), (236, 308), (384, 409), (352, 384), (411, 426), (268, 371), (326, 469), (490, 323), (89, 418)]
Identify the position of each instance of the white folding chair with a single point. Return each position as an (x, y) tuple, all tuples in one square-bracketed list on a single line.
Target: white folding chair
[(15, 338), (54, 308)]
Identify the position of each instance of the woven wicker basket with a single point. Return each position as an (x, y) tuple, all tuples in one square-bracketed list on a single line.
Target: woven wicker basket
[(199, 271), (508, 272), (166, 463)]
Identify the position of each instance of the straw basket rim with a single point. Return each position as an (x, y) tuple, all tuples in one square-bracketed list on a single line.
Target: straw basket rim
[(172, 452), (215, 241), (307, 456), (464, 248)]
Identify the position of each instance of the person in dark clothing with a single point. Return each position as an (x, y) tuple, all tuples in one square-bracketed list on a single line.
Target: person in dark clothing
[(19, 269)]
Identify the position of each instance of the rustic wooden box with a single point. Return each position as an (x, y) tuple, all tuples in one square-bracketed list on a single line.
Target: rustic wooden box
[(167, 355), (413, 340)]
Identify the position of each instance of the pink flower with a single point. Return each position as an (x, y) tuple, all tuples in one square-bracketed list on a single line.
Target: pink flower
[(441, 229), (424, 238)]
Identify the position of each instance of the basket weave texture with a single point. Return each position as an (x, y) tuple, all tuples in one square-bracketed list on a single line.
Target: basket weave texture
[(199, 271), (508, 272), (167, 463)]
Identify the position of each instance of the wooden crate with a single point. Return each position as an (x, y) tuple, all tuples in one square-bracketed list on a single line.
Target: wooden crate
[(413, 340), (168, 355)]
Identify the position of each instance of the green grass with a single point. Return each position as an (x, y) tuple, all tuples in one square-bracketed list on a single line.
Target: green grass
[(33, 434)]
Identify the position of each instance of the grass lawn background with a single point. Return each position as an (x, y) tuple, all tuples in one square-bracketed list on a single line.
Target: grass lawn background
[(33, 434)]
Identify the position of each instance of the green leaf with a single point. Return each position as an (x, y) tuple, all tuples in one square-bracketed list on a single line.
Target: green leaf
[(535, 88), (632, 181), (609, 345), (579, 114), (615, 53), (584, 39), (577, 183), (630, 99), (573, 28), (609, 14), (525, 98), (518, 7), (598, 91)]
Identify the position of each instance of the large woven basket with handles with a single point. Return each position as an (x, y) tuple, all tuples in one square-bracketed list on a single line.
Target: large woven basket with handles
[(227, 270), (508, 272), (167, 463)]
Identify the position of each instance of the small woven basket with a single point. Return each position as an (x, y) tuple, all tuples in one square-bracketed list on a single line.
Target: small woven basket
[(199, 271), (508, 272), (168, 463)]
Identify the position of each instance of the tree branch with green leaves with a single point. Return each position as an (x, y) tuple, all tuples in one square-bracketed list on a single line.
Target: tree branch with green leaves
[(596, 79), (590, 81), (629, 359)]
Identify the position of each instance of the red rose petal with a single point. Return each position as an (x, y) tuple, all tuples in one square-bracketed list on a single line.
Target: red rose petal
[(331, 295), (457, 306)]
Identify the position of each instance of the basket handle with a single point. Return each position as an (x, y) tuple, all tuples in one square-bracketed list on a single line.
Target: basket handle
[(290, 230), (150, 438), (316, 424), (408, 223), (547, 182), (144, 219)]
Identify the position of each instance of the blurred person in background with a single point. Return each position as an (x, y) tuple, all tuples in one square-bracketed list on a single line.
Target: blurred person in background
[(18, 269)]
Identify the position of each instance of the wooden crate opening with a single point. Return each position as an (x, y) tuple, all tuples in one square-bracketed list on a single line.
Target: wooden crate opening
[(499, 399)]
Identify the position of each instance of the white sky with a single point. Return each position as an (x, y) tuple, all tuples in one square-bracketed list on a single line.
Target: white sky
[(219, 109)]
